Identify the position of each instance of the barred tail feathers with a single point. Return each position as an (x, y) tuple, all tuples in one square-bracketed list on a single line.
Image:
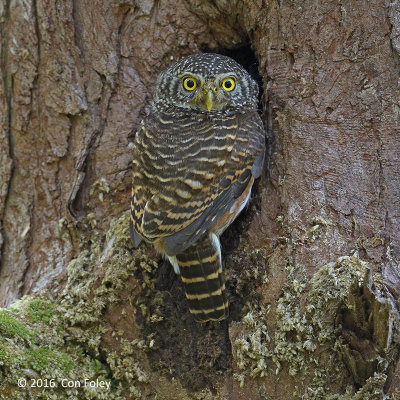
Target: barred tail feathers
[(201, 273)]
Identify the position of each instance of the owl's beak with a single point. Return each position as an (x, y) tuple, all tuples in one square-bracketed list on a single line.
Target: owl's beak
[(209, 100)]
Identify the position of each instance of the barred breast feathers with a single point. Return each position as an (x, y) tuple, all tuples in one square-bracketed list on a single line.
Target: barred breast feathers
[(191, 184)]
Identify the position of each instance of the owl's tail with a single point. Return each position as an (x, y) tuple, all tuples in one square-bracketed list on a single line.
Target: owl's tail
[(201, 272)]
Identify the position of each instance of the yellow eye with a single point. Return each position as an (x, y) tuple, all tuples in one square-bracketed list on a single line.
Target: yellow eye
[(228, 84), (189, 84)]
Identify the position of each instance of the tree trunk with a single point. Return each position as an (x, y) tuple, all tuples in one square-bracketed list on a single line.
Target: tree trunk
[(312, 266)]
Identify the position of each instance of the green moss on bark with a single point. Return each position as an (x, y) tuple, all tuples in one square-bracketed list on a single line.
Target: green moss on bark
[(105, 323), (61, 337), (306, 325)]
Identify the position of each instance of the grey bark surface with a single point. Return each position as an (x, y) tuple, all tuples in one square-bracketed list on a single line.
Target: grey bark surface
[(76, 79)]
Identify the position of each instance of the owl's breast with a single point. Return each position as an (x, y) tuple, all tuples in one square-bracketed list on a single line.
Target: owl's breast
[(185, 163), (193, 148)]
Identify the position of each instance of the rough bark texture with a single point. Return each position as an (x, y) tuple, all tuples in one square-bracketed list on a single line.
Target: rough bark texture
[(312, 266)]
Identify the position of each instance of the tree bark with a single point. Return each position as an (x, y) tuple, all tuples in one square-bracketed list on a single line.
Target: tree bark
[(312, 267)]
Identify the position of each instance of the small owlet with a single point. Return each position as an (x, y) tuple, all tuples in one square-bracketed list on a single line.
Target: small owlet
[(195, 159)]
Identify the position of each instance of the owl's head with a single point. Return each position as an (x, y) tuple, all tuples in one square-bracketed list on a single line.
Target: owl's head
[(206, 83)]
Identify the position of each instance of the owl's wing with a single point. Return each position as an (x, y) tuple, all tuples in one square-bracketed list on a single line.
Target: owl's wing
[(183, 224), (225, 201), (181, 240)]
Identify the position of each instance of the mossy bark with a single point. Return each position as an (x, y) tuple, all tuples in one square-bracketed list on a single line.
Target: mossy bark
[(311, 266)]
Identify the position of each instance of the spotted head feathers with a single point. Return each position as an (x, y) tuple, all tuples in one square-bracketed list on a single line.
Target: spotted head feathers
[(206, 83)]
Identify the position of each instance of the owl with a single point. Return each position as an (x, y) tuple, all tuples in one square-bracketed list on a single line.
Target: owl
[(195, 159)]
